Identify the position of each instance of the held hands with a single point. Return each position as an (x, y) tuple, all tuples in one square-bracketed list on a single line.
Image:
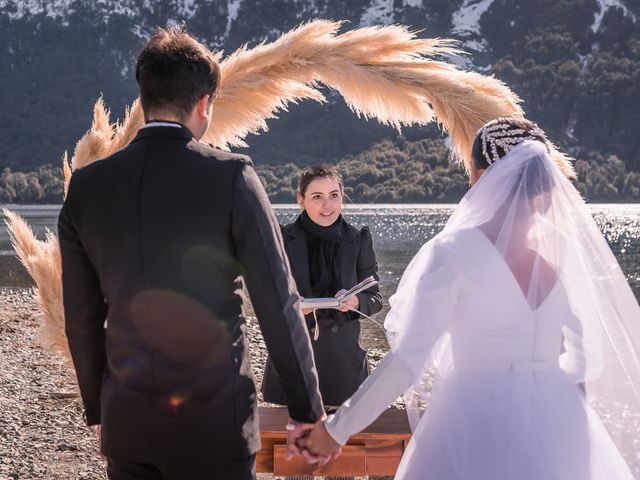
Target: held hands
[(318, 443), (349, 303), (312, 442)]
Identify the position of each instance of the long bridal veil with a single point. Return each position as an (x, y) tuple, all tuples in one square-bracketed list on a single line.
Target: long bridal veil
[(540, 226)]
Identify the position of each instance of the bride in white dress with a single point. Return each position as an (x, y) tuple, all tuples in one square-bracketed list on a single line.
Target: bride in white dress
[(513, 333)]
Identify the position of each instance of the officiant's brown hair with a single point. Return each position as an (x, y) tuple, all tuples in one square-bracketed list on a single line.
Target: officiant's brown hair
[(309, 174), (173, 71)]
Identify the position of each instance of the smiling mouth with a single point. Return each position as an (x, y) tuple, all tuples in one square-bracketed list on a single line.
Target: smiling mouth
[(327, 214)]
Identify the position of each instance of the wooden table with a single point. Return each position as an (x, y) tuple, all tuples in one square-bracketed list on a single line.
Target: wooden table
[(375, 451)]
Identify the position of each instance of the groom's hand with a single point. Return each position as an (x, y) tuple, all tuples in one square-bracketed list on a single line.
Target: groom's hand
[(296, 430), (319, 444)]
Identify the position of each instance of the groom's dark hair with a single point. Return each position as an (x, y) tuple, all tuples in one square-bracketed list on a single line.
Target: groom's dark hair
[(174, 71)]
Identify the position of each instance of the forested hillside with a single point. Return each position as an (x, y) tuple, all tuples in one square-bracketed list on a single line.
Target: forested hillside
[(576, 64)]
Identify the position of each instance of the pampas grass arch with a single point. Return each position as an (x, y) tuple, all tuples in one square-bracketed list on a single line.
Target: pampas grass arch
[(383, 73)]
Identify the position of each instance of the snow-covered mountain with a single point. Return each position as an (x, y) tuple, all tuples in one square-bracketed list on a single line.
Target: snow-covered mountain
[(464, 15), (58, 56)]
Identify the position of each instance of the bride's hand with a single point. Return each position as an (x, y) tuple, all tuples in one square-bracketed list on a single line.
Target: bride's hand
[(320, 444)]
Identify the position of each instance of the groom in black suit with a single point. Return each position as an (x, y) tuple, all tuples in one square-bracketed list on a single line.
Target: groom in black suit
[(155, 242)]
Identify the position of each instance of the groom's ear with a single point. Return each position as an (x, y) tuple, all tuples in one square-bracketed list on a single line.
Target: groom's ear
[(202, 107)]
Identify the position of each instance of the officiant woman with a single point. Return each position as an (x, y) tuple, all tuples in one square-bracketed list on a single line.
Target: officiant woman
[(328, 256)]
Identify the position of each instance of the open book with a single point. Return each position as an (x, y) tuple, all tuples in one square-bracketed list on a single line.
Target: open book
[(334, 302)]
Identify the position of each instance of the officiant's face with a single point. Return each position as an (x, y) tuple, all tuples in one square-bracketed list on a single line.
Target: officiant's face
[(322, 200)]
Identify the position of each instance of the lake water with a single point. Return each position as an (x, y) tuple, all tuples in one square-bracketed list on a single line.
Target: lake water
[(398, 232)]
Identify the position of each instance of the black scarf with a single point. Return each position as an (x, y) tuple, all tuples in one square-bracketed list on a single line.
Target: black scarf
[(323, 243)]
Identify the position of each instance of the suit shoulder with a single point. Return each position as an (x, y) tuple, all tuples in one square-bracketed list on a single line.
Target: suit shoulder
[(95, 168), (363, 232), (221, 155), (365, 239)]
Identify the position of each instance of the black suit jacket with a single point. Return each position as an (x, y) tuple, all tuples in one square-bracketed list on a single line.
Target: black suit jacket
[(356, 258), (340, 360), (156, 240)]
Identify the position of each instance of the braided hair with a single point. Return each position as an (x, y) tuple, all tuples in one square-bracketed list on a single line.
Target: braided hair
[(496, 138)]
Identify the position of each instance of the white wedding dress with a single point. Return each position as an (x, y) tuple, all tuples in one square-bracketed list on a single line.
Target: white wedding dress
[(507, 403), (507, 410)]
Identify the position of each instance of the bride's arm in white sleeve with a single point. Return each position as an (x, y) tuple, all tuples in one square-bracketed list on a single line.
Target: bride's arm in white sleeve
[(390, 379), (575, 344), (420, 313)]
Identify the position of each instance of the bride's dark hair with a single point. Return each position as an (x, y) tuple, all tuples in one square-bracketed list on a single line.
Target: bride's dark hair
[(497, 137)]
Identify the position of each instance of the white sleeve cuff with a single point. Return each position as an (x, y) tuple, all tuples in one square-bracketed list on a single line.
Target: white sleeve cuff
[(333, 428)]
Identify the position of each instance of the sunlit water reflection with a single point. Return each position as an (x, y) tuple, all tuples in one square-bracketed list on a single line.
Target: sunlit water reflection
[(398, 232)]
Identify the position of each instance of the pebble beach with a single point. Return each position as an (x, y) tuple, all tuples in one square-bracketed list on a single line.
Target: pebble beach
[(42, 433)]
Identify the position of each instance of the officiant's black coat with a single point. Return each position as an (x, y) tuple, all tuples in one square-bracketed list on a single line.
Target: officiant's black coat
[(155, 239), (341, 361)]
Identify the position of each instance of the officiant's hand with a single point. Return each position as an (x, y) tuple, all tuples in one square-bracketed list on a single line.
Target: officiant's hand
[(305, 311), (318, 443), (349, 304)]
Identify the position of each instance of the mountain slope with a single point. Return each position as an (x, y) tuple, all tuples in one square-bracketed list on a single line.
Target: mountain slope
[(575, 62)]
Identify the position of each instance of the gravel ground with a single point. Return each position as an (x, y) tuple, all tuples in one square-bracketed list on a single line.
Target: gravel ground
[(42, 433)]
